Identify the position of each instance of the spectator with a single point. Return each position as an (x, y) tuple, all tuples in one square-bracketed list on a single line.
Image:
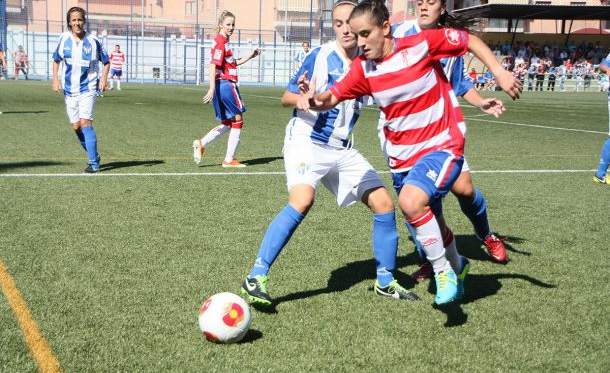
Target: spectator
[(2, 59)]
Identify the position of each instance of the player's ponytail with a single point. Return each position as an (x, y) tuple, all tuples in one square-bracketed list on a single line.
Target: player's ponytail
[(455, 21), (376, 10), (223, 15)]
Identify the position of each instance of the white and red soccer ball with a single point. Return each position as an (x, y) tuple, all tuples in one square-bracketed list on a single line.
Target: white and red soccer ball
[(224, 318)]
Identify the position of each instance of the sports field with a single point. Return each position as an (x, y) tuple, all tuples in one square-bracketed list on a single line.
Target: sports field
[(107, 272)]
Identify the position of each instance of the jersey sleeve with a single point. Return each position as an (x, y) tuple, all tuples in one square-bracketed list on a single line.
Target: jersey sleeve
[(218, 53), (460, 81), (308, 65), (58, 55), (102, 55), (446, 42), (353, 84)]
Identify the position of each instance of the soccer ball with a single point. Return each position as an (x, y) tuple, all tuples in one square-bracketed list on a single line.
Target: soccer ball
[(224, 318)]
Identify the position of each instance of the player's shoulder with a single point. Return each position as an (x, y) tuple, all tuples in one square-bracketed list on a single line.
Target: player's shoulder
[(220, 39), (405, 28)]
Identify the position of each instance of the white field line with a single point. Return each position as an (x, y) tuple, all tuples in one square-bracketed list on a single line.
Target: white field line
[(270, 173), (536, 126)]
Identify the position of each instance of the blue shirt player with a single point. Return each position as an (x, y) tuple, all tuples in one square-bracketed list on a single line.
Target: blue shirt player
[(317, 149), (471, 200), (601, 176), (81, 53)]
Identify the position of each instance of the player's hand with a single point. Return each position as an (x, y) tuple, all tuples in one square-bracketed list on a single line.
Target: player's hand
[(103, 85), (55, 85), (509, 84), (303, 83), (255, 52), (208, 96), (492, 106), (307, 95)]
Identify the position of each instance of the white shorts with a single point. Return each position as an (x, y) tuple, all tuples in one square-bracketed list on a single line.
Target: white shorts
[(465, 166), (344, 172), (80, 106)]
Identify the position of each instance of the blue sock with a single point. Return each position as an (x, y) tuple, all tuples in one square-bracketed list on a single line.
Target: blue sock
[(476, 212), (279, 232), (91, 144), (604, 160), (418, 246), (81, 138), (385, 246)]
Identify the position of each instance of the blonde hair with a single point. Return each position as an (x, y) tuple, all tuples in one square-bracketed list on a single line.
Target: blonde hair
[(223, 15)]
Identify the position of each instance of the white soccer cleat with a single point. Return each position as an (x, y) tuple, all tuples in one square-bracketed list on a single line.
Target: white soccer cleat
[(198, 151)]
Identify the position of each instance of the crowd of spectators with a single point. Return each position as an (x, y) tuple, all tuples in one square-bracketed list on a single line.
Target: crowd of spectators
[(533, 63)]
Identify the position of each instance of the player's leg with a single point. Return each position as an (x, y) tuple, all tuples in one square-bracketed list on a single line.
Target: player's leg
[(601, 176), (301, 183), (119, 73), (420, 188), (235, 106), (17, 71), (353, 179), (86, 104), (223, 116), (233, 142), (111, 82), (74, 118), (474, 206)]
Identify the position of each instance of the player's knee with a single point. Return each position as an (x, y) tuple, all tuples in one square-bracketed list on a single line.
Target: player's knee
[(302, 205), (378, 200), (412, 208)]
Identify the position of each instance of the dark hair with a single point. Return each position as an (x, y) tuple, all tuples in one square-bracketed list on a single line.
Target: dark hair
[(376, 9), (75, 9), (455, 21)]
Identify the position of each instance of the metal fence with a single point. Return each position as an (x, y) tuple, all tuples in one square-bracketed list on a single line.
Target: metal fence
[(168, 41)]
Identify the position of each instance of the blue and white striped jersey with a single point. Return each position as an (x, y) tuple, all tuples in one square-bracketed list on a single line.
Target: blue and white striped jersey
[(328, 64), (81, 62), (454, 66)]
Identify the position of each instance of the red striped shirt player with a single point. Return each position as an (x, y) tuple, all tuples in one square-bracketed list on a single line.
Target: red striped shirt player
[(423, 142), (224, 93), (116, 66)]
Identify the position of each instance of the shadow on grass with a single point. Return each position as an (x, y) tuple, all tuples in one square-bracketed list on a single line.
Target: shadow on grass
[(343, 278), (472, 248), (251, 336), (25, 112), (115, 165), (264, 160), (479, 287), (27, 164)]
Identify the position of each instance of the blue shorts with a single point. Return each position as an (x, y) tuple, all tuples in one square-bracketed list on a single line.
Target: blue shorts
[(434, 173), (114, 72), (227, 100)]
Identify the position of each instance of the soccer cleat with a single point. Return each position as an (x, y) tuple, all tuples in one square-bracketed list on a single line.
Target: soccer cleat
[(600, 180), (198, 151), (255, 289), (394, 290), (446, 287), (461, 277), (424, 272), (91, 169), (233, 164), (495, 248)]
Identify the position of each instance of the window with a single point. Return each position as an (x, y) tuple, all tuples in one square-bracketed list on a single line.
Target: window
[(191, 8)]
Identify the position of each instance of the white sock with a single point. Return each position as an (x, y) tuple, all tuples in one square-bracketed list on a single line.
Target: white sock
[(232, 144), (118, 84), (111, 85), (428, 233), (215, 133), (451, 252)]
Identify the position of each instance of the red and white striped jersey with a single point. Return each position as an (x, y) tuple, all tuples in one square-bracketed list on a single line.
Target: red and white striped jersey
[(222, 57), (116, 60), (421, 111)]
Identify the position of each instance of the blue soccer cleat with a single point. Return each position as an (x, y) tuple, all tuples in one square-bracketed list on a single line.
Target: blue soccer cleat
[(446, 287), (461, 277)]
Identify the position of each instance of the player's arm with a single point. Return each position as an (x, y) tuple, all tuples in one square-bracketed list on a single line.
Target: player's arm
[(310, 101), (505, 80), (3, 60), (243, 60), (55, 83), (104, 77), (210, 94), (604, 68), (491, 106)]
